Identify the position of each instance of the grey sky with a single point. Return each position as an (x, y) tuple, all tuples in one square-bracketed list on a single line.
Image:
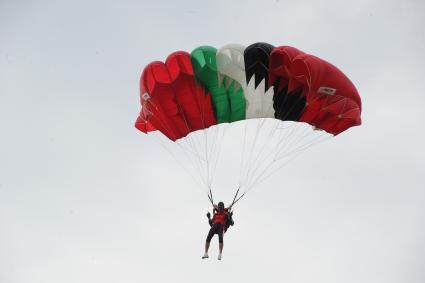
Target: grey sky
[(83, 197)]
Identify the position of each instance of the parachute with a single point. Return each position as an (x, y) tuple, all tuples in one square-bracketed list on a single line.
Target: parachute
[(292, 99)]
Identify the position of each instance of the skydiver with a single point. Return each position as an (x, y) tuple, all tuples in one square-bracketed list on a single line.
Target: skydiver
[(219, 223)]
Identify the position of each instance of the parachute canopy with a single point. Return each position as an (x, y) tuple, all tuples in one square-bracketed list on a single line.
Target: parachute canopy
[(190, 92)]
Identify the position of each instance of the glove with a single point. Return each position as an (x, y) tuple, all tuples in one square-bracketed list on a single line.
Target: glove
[(209, 215)]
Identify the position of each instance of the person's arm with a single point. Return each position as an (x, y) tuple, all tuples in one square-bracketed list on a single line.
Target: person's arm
[(209, 219), (215, 207)]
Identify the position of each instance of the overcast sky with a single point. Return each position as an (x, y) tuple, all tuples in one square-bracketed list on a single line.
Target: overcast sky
[(85, 197)]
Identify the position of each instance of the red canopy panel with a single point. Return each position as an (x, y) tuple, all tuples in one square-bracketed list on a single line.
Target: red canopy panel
[(332, 101), (280, 61), (172, 101), (316, 90)]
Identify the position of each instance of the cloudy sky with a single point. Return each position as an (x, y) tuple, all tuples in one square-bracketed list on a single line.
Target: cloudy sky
[(85, 197)]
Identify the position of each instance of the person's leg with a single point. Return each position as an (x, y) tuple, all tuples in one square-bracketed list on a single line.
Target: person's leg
[(208, 240), (207, 246), (220, 242)]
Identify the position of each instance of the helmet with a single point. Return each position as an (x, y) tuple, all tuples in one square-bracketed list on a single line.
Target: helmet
[(220, 205)]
